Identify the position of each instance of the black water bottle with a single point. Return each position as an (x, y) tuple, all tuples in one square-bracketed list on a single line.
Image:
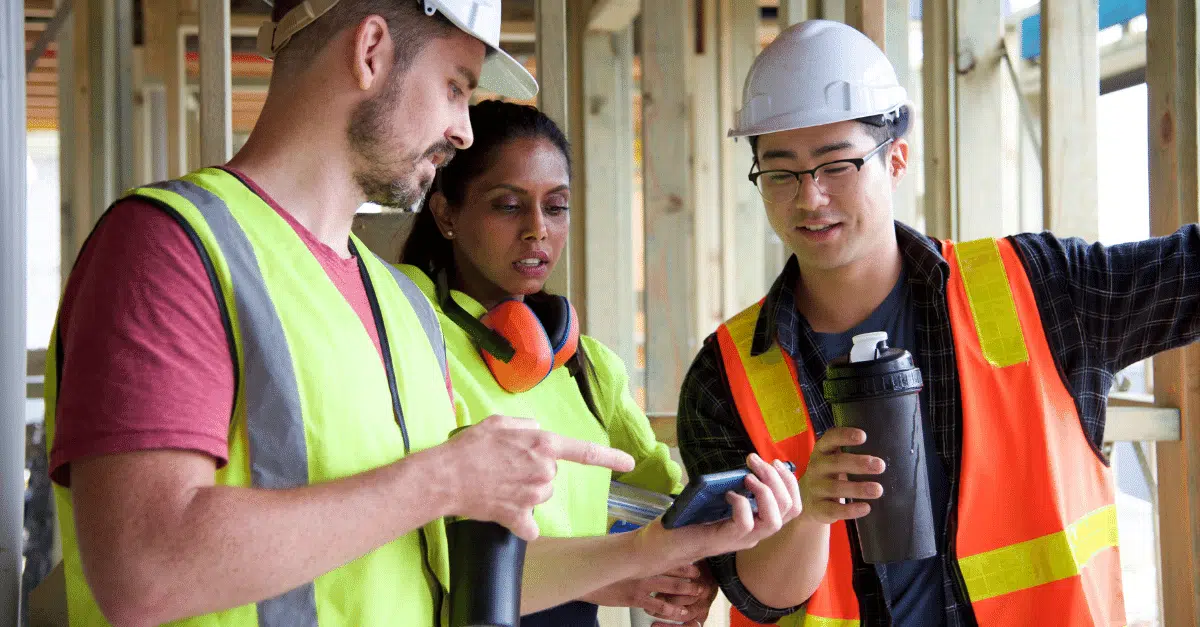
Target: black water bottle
[(486, 565), (876, 388), (487, 562)]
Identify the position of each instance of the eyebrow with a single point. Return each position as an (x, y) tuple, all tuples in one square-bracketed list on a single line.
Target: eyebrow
[(816, 152), (469, 76), (522, 190)]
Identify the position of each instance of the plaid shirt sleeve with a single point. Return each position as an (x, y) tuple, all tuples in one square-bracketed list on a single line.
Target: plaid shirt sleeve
[(712, 439), (1106, 307)]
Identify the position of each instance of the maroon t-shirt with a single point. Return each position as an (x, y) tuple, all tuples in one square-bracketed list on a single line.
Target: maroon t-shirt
[(146, 361)]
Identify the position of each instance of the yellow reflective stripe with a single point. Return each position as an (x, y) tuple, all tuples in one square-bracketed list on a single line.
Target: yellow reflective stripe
[(770, 380), (1041, 560), (800, 619), (992, 304)]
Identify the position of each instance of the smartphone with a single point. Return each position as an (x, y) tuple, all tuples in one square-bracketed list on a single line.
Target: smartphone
[(703, 500)]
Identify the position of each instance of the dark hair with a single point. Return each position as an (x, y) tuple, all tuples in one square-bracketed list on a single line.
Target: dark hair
[(494, 124), (410, 27), (879, 127)]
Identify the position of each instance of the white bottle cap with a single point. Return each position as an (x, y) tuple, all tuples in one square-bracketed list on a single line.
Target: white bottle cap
[(866, 346)]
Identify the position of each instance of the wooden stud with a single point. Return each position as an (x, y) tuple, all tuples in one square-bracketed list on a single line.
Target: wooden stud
[(984, 175), (796, 11), (612, 16), (1070, 89), (216, 115), (608, 160), (938, 110), (553, 99), (706, 166), (870, 17), (745, 269), (669, 211), (176, 85), (1172, 83)]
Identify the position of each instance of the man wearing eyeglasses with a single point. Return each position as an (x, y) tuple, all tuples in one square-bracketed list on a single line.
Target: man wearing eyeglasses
[(1018, 340)]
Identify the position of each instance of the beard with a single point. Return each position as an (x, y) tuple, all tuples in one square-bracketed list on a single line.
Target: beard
[(387, 176)]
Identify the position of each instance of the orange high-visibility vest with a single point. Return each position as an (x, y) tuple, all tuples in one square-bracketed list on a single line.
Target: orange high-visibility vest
[(1037, 523)]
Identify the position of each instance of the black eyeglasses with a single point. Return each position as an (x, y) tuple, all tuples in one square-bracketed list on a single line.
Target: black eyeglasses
[(831, 179)]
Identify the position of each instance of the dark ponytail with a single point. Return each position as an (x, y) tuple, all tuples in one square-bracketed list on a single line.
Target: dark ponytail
[(494, 124)]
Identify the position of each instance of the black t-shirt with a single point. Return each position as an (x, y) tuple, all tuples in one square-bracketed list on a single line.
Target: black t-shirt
[(914, 588)]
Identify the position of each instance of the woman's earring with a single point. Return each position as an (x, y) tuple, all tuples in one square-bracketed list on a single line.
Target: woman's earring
[(450, 234)]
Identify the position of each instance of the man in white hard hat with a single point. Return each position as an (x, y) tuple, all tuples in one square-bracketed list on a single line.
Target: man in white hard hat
[(1017, 339)]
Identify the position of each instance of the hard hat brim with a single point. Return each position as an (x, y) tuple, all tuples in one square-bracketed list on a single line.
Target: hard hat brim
[(797, 120), (504, 75)]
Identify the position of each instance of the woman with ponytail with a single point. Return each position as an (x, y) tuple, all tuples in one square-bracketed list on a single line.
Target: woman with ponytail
[(491, 230)]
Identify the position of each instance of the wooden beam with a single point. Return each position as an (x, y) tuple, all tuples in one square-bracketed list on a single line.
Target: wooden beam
[(1172, 85), (796, 11), (939, 113), (669, 208), (175, 78), (743, 219), (612, 16), (1070, 89), (608, 159), (706, 166), (552, 75), (985, 175), (870, 17), (216, 115)]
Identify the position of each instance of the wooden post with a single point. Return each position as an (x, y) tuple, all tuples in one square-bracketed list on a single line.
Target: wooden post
[(76, 217), (1070, 89), (796, 11), (904, 199), (938, 109), (176, 83), (870, 17), (1172, 83), (706, 178), (743, 219), (669, 210), (985, 176), (216, 103), (608, 147), (552, 44)]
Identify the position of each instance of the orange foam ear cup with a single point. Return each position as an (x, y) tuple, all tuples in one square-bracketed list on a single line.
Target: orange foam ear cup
[(534, 358), (571, 342)]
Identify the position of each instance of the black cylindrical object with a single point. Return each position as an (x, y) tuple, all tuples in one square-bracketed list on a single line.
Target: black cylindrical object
[(877, 389), (486, 565)]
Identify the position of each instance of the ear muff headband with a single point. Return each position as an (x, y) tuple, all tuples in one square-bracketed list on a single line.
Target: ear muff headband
[(521, 342)]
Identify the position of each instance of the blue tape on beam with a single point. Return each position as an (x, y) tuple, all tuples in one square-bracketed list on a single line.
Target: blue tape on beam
[(1112, 12)]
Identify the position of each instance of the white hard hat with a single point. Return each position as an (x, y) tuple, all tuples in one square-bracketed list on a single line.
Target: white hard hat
[(817, 72), (501, 74)]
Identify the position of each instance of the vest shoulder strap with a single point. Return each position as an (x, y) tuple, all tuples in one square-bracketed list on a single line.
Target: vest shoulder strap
[(990, 297), (425, 313)]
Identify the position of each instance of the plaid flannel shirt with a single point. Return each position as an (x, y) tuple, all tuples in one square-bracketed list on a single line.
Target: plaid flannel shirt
[(1103, 308)]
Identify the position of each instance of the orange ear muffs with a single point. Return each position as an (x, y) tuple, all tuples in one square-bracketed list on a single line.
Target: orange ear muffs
[(543, 333), (521, 342)]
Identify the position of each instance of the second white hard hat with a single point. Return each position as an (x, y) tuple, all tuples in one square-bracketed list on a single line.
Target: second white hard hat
[(814, 73), (501, 73)]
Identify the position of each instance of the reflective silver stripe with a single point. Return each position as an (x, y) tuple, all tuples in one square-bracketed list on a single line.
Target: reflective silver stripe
[(278, 451), (425, 313)]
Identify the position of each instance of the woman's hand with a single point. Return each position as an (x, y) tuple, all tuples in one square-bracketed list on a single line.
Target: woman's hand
[(681, 594)]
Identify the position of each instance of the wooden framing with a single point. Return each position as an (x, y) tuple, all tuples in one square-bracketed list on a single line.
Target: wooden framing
[(553, 100), (216, 104), (612, 16), (986, 168), (669, 208), (870, 17), (1070, 88), (940, 115), (743, 220), (608, 160), (795, 11), (1172, 82), (703, 110)]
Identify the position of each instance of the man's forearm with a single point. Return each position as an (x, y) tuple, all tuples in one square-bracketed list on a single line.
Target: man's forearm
[(218, 547), (785, 569)]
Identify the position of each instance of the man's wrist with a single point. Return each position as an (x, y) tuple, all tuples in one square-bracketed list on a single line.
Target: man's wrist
[(435, 467)]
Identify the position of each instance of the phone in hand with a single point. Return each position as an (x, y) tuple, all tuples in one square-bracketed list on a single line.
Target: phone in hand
[(703, 500)]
